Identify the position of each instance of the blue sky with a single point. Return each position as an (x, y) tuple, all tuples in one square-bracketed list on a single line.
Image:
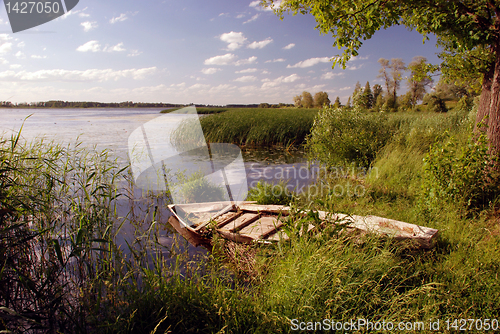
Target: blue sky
[(190, 51)]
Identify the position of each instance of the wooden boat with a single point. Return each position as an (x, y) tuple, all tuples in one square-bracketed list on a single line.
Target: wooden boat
[(249, 222)]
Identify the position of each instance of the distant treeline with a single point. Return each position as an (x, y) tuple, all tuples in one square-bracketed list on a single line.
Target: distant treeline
[(85, 104), (126, 104)]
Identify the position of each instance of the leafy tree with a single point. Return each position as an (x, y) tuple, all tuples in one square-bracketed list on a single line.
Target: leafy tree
[(470, 31), (356, 95), (384, 73), (450, 91), (264, 105), (348, 105), (307, 100), (337, 103), (434, 103), (367, 97), (377, 90), (321, 99), (418, 79), (297, 101), (397, 68), (379, 102)]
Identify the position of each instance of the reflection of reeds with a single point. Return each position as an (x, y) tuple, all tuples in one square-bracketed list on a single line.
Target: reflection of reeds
[(188, 135), (195, 188)]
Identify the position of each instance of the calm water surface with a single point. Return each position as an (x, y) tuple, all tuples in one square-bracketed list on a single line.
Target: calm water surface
[(109, 128)]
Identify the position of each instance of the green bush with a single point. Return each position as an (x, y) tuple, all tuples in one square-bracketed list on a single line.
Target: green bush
[(342, 137), (434, 103), (195, 188), (463, 173), (268, 193)]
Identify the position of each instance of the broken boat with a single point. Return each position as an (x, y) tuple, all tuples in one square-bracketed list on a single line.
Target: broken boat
[(248, 222)]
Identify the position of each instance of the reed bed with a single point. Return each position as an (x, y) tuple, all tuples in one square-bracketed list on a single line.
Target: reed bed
[(254, 127)]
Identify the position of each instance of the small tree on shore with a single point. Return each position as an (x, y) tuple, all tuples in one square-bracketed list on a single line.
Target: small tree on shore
[(321, 99), (337, 103), (366, 99), (307, 100), (297, 101)]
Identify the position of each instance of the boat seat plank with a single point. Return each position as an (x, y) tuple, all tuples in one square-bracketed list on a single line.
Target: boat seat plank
[(261, 228), (226, 218), (279, 236), (284, 210), (241, 222)]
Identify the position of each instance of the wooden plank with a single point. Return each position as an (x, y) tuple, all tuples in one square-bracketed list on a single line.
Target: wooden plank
[(278, 236), (236, 237), (226, 218), (284, 210), (425, 236), (218, 214), (241, 222), (261, 228), (192, 237)]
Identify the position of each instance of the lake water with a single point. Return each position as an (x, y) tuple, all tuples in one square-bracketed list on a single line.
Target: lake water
[(110, 128)]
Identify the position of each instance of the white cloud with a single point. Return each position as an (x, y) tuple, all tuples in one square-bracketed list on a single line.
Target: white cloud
[(359, 58), (74, 12), (240, 16), (246, 78), (253, 18), (92, 46), (289, 46), (76, 75), (234, 39), (291, 78), (261, 44), (117, 48), (87, 25), (20, 55), (279, 60), (250, 60), (345, 88), (248, 70), (220, 89), (310, 62), (134, 53), (181, 85), (5, 37), (331, 75), (210, 70), (199, 86), (256, 4), (38, 57), (21, 45), (353, 67), (120, 18), (267, 83), (220, 60), (15, 66), (5, 47)]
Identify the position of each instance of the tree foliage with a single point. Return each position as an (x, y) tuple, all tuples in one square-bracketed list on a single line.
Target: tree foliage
[(337, 103), (367, 97), (307, 100), (321, 99), (418, 80), (470, 31)]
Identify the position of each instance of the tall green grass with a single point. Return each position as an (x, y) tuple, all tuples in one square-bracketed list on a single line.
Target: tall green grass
[(95, 285), (259, 127)]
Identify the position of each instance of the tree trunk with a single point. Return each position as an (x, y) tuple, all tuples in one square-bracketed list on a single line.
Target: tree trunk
[(489, 103)]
